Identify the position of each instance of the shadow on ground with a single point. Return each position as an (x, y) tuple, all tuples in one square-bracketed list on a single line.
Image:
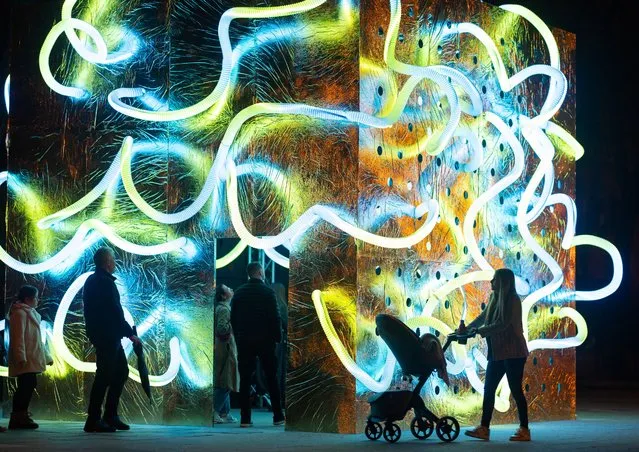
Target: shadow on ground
[(606, 420)]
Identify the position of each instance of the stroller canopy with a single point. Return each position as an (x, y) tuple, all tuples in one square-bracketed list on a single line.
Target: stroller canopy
[(417, 356)]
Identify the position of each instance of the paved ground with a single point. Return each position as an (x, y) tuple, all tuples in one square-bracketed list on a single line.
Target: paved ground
[(606, 421)]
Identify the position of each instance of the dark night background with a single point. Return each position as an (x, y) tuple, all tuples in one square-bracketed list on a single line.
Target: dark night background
[(607, 177)]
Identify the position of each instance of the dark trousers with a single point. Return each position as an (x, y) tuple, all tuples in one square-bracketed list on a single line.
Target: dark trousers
[(247, 351), (22, 397), (514, 370), (112, 372), (281, 351)]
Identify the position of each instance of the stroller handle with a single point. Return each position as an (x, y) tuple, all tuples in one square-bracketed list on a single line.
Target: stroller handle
[(447, 344), (461, 338)]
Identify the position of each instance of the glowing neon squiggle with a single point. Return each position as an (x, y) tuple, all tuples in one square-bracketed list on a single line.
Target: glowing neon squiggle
[(311, 216), (61, 348), (344, 356), (79, 241), (228, 61), (47, 46), (231, 255), (101, 56), (7, 84)]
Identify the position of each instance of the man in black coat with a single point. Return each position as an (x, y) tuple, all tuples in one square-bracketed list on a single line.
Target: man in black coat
[(257, 328), (105, 327)]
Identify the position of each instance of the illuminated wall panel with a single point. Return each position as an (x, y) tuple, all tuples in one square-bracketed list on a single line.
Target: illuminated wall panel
[(404, 166), (321, 392), (399, 151)]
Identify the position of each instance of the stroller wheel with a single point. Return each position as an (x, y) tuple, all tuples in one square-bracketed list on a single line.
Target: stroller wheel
[(392, 432), (373, 430), (447, 429), (421, 427)]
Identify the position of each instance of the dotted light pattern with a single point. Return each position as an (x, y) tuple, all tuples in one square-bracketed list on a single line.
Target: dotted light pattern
[(494, 181), (455, 106)]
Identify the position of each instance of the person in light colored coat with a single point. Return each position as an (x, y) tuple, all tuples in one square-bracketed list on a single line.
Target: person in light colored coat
[(27, 354), (227, 377)]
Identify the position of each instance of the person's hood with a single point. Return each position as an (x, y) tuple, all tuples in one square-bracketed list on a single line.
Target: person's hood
[(431, 344), (15, 307)]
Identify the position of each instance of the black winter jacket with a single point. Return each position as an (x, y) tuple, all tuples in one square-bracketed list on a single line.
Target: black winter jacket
[(103, 314), (254, 313)]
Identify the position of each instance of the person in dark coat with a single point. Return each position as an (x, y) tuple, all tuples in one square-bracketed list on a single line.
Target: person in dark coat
[(501, 324), (281, 350), (105, 327), (257, 328)]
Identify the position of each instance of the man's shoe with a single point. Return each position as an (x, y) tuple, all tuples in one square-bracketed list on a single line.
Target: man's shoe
[(279, 419), (22, 421), (217, 419), (2, 429), (522, 434), (117, 423), (246, 424), (98, 426), (30, 421), (479, 432)]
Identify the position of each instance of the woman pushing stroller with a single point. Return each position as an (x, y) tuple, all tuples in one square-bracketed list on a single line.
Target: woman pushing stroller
[(501, 324)]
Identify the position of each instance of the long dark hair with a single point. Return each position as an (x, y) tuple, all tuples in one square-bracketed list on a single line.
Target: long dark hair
[(503, 294), (506, 280)]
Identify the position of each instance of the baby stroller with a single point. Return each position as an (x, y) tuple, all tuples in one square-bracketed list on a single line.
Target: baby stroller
[(418, 356)]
